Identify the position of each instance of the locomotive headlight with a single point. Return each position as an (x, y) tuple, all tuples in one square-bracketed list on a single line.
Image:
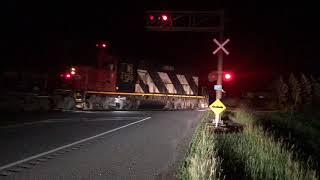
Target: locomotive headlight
[(73, 71)]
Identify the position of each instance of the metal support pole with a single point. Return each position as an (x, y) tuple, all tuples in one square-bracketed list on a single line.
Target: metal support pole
[(220, 67), (220, 73), (220, 58)]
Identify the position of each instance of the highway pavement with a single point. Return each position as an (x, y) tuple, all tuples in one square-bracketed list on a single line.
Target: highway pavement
[(97, 145)]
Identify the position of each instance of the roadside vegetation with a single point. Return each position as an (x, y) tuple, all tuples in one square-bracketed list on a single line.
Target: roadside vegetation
[(299, 130), (298, 120), (201, 161), (296, 93), (281, 144), (253, 153), (256, 154)]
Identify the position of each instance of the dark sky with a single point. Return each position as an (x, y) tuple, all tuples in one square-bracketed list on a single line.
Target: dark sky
[(267, 38)]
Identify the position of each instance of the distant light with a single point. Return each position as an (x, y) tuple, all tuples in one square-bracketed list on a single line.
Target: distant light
[(164, 17), (73, 69), (151, 18), (97, 45), (61, 75), (73, 72), (104, 45)]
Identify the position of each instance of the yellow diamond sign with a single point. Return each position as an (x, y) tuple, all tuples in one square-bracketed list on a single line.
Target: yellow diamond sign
[(217, 107)]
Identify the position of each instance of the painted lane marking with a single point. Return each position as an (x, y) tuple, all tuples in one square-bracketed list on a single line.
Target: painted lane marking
[(61, 120), (203, 110), (69, 145)]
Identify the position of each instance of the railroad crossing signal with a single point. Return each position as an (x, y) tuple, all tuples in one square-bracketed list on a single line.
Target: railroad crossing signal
[(220, 46), (193, 21), (227, 76), (187, 21)]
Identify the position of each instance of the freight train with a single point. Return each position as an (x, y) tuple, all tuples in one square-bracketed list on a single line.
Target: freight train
[(112, 83)]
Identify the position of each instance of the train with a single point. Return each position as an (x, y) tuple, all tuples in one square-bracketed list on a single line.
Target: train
[(114, 83)]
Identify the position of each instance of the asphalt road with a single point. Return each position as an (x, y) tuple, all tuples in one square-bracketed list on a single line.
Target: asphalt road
[(97, 145)]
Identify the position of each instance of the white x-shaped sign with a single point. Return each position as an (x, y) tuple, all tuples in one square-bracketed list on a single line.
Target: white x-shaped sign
[(220, 46)]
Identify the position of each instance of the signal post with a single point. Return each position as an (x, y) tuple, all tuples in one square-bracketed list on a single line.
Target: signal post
[(195, 21)]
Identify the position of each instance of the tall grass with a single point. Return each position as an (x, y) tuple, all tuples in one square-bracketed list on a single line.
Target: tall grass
[(302, 130), (251, 154), (254, 154), (201, 162)]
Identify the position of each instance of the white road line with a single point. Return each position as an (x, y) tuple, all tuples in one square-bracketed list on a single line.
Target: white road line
[(76, 111), (90, 119), (20, 125), (111, 119), (35, 122), (62, 120), (202, 110), (100, 112), (69, 145)]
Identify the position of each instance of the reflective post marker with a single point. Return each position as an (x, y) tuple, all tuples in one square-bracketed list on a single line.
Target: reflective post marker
[(217, 107), (217, 118)]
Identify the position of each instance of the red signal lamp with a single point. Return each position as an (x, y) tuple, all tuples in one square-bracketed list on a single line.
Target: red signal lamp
[(227, 77), (151, 18), (102, 45), (67, 76), (212, 76)]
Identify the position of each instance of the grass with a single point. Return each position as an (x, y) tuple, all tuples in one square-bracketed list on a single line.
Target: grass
[(201, 162), (254, 153), (299, 130), (258, 157)]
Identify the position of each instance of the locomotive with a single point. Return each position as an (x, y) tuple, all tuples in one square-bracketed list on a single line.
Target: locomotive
[(112, 83)]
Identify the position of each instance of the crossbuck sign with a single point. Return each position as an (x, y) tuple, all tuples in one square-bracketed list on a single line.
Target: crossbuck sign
[(220, 46)]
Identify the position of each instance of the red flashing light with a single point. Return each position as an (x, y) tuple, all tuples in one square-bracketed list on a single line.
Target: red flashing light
[(67, 76), (227, 76), (151, 17), (212, 77), (164, 17), (102, 44)]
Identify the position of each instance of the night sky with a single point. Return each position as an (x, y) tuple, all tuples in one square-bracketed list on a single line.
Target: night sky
[(267, 38)]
